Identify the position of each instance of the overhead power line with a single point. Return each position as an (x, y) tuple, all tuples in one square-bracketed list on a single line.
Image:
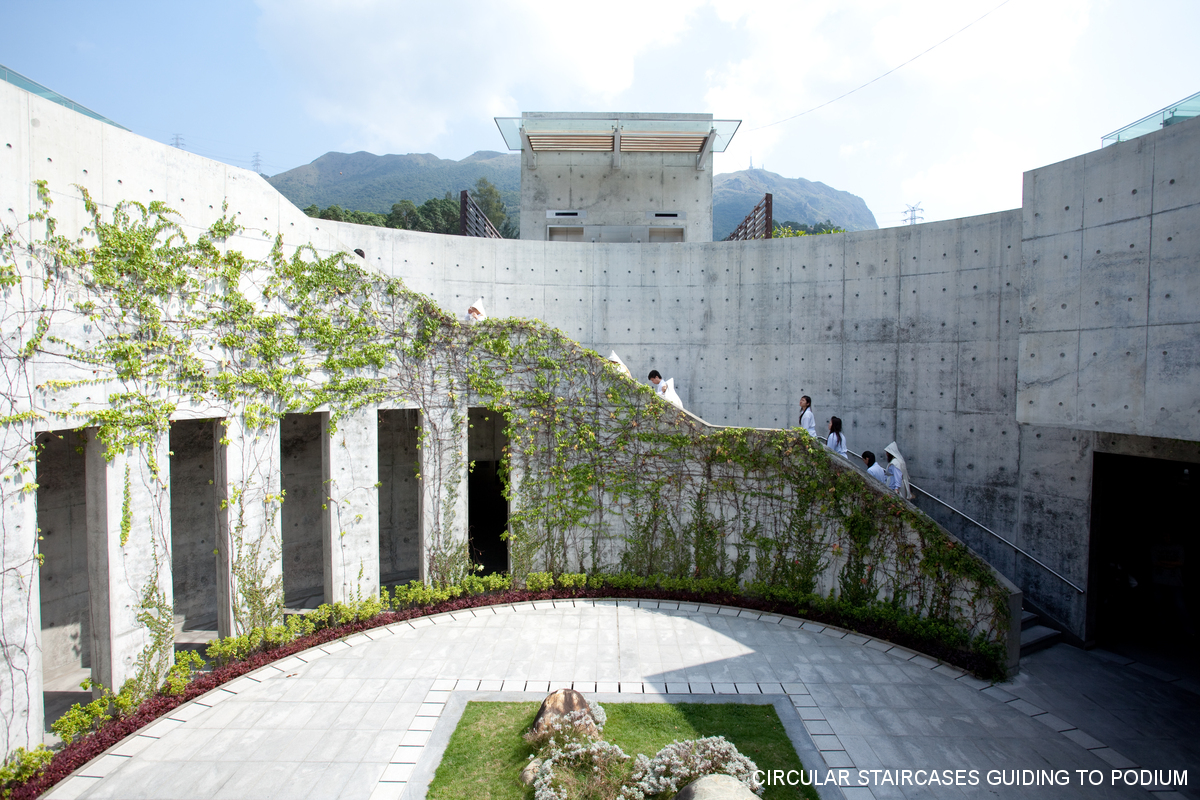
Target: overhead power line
[(912, 214), (884, 75)]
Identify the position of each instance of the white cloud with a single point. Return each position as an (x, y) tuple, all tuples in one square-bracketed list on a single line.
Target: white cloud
[(1033, 82), (409, 77)]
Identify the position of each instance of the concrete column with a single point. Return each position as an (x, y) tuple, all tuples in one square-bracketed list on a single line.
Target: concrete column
[(516, 475), (129, 560), (249, 538), (21, 711), (443, 460), (350, 519)]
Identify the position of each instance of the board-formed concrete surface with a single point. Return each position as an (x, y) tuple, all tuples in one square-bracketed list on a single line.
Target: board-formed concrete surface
[(367, 717)]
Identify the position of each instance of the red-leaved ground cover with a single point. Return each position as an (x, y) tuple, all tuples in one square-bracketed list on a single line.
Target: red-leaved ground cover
[(83, 750)]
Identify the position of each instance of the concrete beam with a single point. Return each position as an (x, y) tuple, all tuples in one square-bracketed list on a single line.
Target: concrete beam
[(706, 149), (350, 519), (129, 552), (249, 538), (527, 146)]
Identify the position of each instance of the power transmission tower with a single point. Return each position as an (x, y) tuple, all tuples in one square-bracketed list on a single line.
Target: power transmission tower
[(177, 140), (256, 163), (912, 215)]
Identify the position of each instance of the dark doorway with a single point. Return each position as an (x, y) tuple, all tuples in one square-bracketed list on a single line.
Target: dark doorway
[(66, 612), (1143, 584), (487, 510)]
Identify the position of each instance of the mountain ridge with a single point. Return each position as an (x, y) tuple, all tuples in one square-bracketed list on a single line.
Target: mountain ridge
[(795, 199), (365, 181)]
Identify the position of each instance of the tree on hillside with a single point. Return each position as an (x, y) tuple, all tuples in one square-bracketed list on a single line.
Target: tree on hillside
[(405, 216), (441, 215), (783, 230), (487, 197), (438, 215), (339, 214)]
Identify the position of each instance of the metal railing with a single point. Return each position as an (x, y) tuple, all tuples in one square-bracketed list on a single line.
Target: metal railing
[(758, 224), (938, 500), (472, 221), (33, 87), (962, 514), (980, 525)]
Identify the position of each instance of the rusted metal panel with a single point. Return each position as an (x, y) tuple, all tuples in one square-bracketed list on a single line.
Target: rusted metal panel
[(757, 224), (472, 221)]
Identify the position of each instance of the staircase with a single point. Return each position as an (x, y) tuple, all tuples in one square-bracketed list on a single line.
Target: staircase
[(1035, 636)]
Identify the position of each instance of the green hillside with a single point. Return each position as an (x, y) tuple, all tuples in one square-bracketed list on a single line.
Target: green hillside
[(367, 182)]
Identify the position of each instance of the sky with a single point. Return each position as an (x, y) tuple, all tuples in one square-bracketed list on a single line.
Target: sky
[(1027, 83)]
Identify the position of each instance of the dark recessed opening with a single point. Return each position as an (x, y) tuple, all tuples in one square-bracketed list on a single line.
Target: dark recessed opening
[(1145, 591), (487, 510)]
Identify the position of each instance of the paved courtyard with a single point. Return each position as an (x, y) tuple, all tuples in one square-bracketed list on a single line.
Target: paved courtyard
[(368, 717)]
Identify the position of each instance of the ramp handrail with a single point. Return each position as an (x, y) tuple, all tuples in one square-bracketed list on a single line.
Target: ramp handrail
[(979, 524)]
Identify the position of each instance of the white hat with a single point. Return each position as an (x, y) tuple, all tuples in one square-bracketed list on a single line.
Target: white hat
[(478, 306), (616, 360)]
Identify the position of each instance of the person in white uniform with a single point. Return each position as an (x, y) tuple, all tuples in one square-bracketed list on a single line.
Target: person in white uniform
[(807, 421), (670, 395), (836, 441), (873, 467), (897, 472), (665, 389), (476, 313)]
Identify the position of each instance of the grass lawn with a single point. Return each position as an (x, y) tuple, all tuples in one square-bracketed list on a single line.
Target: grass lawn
[(486, 753)]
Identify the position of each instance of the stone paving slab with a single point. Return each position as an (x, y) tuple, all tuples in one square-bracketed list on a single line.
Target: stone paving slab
[(365, 718)]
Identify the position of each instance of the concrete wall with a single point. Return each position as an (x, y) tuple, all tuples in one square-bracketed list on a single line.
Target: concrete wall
[(350, 518), (129, 555), (914, 333), (486, 436), (62, 521), (1110, 328), (616, 197)]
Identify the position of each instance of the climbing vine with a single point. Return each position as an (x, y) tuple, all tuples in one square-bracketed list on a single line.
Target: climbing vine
[(601, 475)]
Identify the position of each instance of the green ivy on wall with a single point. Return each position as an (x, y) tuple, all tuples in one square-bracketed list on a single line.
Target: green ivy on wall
[(601, 475)]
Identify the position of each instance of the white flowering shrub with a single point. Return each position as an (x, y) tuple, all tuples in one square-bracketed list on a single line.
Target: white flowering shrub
[(680, 763), (579, 771), (598, 714), (584, 724)]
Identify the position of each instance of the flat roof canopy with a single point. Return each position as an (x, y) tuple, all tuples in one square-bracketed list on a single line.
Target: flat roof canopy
[(644, 133)]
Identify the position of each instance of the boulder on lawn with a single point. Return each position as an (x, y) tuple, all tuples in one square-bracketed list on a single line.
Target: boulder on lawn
[(559, 704), (716, 787)]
